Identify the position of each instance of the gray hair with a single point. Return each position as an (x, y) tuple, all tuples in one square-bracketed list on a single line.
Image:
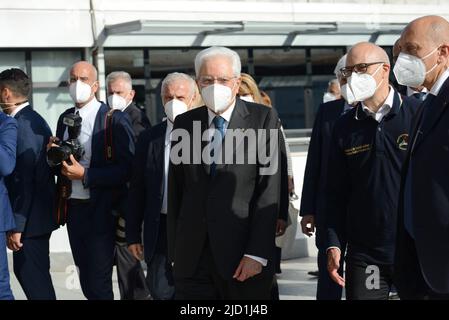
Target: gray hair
[(176, 76), (114, 76), (333, 82), (218, 51), (340, 64)]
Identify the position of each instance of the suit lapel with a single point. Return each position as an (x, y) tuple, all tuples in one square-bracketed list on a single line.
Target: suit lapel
[(98, 136), (432, 110), (158, 147)]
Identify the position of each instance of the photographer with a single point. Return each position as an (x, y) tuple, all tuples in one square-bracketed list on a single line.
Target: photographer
[(94, 180)]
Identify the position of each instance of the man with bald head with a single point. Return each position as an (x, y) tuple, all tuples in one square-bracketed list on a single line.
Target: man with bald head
[(89, 187), (420, 92), (366, 153), (422, 259)]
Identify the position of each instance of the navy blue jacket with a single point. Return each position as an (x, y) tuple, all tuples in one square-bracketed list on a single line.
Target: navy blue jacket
[(146, 189), (315, 175), (104, 178), (364, 177), (31, 186), (429, 158), (8, 144)]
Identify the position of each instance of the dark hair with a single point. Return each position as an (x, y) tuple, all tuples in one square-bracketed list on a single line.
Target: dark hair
[(17, 81)]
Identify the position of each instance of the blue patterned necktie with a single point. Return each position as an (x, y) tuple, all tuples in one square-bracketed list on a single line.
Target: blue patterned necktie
[(219, 125)]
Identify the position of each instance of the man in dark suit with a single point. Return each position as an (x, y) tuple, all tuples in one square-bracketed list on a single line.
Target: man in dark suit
[(313, 191), (131, 278), (422, 260), (8, 143), (222, 216), (148, 190), (31, 190), (96, 181)]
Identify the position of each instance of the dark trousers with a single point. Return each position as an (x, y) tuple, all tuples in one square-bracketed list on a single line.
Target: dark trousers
[(32, 268), (131, 278), (327, 289), (159, 271), (93, 252), (208, 284), (5, 288), (366, 281)]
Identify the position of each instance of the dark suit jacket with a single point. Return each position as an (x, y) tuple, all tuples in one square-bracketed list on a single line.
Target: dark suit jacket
[(429, 156), (235, 211), (315, 175), (31, 186), (8, 144), (139, 119), (104, 178), (146, 189)]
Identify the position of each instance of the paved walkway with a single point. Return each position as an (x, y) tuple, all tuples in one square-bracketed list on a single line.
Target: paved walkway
[(294, 282)]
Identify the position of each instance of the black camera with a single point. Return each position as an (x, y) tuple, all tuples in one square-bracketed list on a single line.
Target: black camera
[(71, 146)]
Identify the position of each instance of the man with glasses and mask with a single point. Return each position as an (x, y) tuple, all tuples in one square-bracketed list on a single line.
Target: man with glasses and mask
[(422, 259), (222, 217), (366, 154), (95, 181)]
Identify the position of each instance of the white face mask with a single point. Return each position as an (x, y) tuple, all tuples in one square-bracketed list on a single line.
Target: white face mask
[(363, 86), (173, 108), (329, 97), (80, 92), (347, 94), (117, 102), (410, 70), (248, 98), (217, 97)]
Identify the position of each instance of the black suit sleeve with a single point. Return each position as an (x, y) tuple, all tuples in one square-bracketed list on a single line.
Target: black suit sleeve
[(337, 190), (267, 196), (134, 218), (140, 122), (174, 200), (312, 171), (285, 197)]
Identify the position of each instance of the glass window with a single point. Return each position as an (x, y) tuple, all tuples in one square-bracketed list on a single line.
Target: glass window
[(52, 66), (12, 59)]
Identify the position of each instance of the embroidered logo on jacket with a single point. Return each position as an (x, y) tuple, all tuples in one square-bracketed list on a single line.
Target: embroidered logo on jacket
[(359, 149), (402, 141)]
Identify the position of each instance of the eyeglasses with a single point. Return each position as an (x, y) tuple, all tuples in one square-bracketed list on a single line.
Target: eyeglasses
[(207, 80), (359, 68)]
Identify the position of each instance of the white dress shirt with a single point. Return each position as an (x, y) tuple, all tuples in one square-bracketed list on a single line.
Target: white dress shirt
[(439, 83), (19, 108), (227, 116), (88, 113), (166, 164), (383, 110)]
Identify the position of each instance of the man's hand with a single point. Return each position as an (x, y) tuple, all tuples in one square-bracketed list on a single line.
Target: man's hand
[(136, 250), (74, 171), (333, 264), (247, 268), (14, 242), (281, 225), (308, 225), (51, 142)]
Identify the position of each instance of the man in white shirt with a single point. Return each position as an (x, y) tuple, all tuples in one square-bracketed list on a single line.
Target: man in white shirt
[(95, 182)]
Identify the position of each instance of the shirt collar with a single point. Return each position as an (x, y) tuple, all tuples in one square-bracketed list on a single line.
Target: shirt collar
[(411, 92), (19, 108), (226, 115), (87, 109), (439, 83), (383, 110)]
